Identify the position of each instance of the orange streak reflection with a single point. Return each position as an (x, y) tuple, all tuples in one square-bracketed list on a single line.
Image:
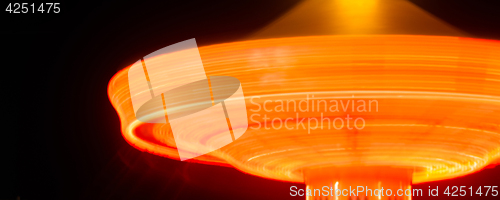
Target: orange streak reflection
[(439, 104)]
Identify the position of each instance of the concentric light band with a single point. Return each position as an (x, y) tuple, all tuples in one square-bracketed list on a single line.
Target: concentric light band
[(438, 100)]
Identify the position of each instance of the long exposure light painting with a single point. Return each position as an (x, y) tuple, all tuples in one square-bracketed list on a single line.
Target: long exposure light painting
[(438, 105)]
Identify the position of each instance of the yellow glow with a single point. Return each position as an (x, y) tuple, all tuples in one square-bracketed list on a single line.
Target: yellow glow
[(350, 14)]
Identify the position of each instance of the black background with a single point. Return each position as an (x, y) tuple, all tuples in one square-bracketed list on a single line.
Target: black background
[(61, 137)]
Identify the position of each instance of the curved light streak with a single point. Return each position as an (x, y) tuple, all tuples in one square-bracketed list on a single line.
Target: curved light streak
[(439, 104)]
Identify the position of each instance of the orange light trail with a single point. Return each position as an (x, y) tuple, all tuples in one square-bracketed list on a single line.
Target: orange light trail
[(439, 104)]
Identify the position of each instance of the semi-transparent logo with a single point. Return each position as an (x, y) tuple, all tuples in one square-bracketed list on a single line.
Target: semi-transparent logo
[(205, 113)]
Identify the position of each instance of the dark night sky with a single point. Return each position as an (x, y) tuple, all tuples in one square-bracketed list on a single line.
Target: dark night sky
[(62, 137)]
